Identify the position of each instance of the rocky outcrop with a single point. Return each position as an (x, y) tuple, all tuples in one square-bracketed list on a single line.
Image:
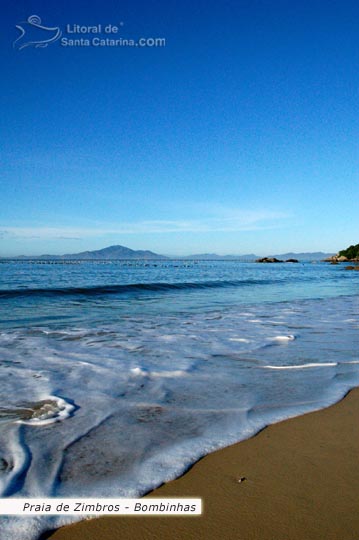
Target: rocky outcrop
[(351, 254), (275, 260), (268, 260), (340, 258)]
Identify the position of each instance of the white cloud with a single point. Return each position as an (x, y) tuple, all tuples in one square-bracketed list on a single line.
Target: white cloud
[(219, 220)]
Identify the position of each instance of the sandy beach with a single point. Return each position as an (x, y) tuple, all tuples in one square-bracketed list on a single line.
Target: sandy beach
[(300, 481)]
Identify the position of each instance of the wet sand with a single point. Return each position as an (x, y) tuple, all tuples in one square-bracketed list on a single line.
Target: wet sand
[(300, 482)]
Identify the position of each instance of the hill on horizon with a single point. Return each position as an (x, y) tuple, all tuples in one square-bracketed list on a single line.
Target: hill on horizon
[(118, 252), (312, 256), (108, 253)]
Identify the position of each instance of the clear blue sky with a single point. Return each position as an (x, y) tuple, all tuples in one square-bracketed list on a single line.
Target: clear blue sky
[(240, 135)]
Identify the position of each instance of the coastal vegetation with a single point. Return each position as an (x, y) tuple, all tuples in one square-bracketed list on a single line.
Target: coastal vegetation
[(352, 252), (349, 254)]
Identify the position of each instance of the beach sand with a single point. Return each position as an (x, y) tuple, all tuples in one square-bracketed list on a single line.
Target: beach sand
[(301, 483)]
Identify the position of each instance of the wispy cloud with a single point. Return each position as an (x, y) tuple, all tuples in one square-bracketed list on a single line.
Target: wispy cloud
[(221, 220)]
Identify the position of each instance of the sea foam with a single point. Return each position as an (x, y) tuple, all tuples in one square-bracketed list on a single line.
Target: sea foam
[(111, 395)]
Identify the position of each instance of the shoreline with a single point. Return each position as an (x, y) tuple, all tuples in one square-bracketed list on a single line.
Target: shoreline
[(301, 483)]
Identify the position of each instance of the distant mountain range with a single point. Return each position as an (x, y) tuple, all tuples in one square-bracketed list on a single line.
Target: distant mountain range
[(312, 256), (112, 252), (121, 252), (215, 257)]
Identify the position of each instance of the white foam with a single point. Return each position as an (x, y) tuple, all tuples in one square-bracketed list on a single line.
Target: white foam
[(138, 371), (176, 373), (283, 338), (303, 366), (148, 407), (52, 409)]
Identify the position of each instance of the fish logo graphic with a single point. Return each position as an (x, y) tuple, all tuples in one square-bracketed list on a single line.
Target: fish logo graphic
[(33, 34)]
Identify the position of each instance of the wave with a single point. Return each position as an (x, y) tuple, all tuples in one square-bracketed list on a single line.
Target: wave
[(133, 287), (303, 366)]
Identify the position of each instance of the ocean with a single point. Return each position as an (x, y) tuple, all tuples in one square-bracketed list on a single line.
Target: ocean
[(116, 376)]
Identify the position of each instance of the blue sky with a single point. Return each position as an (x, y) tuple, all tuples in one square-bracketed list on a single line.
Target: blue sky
[(240, 135)]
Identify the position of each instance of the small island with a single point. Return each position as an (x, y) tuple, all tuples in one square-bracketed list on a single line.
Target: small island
[(275, 260)]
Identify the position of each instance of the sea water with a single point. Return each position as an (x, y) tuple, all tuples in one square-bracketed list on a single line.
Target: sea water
[(116, 376)]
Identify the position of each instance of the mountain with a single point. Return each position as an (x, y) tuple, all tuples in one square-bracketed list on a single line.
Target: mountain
[(311, 256), (111, 252), (122, 252), (215, 257)]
